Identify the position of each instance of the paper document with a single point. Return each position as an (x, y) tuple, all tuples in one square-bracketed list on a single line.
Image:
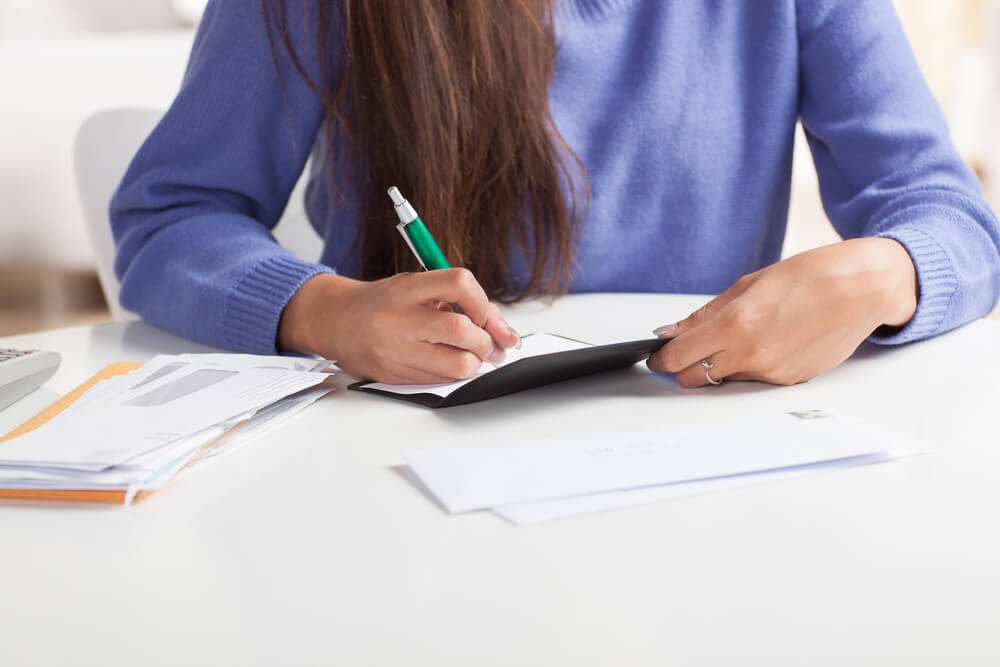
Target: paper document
[(504, 474), (564, 508), (131, 428), (167, 399)]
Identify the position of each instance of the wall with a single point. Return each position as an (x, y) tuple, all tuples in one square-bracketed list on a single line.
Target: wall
[(60, 61), (21, 18)]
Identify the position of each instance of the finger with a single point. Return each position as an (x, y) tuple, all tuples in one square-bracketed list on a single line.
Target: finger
[(407, 375), (392, 374), (459, 332), (435, 364), (707, 311), (448, 362), (694, 375), (457, 286), (497, 327), (411, 375), (691, 347)]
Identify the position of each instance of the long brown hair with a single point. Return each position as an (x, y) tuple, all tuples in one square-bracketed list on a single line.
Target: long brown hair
[(448, 99)]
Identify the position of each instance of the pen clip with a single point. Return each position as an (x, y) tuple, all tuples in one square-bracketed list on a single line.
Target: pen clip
[(401, 227)]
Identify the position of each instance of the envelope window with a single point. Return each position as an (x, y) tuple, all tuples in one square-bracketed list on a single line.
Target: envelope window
[(182, 387)]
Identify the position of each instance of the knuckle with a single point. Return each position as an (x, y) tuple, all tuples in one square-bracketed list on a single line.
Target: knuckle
[(457, 328), (463, 279), (399, 284), (398, 279), (483, 343), (701, 314), (493, 314), (744, 318), (671, 358), (467, 365), (668, 358)]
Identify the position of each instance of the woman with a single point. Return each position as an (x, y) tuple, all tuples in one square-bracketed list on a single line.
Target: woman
[(553, 145)]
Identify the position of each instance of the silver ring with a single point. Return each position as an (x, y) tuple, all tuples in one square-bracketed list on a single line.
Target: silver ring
[(708, 364)]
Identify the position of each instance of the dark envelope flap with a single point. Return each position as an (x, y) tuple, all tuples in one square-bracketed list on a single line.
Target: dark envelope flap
[(532, 372)]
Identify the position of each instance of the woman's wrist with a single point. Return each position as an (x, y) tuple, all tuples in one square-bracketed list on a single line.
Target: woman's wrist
[(312, 313), (900, 282)]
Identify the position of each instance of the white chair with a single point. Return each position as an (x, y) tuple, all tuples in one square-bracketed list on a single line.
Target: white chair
[(189, 11), (105, 146)]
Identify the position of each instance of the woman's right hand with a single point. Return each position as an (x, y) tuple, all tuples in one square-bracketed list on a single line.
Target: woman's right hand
[(395, 330)]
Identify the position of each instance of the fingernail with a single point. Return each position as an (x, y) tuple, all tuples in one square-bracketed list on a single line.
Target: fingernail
[(665, 330), (496, 355), (517, 345)]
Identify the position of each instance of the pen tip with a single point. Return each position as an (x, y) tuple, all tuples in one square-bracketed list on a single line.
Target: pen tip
[(395, 196)]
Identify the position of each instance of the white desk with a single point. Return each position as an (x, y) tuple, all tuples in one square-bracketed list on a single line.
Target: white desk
[(305, 548)]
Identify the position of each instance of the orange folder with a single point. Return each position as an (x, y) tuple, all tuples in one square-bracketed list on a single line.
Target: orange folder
[(86, 495)]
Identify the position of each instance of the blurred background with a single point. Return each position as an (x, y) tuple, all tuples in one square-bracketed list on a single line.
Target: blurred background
[(63, 60)]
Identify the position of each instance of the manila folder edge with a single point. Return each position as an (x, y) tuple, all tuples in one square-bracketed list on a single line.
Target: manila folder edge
[(93, 495)]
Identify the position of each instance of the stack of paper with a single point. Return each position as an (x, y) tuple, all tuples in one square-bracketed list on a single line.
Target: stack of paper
[(568, 476), (129, 433)]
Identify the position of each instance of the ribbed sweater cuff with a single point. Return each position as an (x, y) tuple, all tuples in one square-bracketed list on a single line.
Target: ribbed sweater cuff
[(259, 298), (936, 277)]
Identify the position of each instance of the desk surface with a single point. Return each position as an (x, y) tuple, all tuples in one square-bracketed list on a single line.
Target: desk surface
[(305, 548)]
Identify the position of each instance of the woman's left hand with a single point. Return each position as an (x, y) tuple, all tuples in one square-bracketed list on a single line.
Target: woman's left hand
[(793, 320)]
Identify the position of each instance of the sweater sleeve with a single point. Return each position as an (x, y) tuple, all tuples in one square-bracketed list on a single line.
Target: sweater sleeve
[(192, 218), (886, 164)]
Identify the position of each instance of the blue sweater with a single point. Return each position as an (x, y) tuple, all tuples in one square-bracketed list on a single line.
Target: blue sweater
[(683, 114)]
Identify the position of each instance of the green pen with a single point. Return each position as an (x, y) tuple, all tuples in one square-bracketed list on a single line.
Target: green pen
[(419, 239), (415, 234), (423, 245)]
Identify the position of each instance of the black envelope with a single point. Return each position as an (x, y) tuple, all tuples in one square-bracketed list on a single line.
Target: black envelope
[(532, 372)]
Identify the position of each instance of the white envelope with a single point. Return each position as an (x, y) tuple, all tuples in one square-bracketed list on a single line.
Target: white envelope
[(489, 476)]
